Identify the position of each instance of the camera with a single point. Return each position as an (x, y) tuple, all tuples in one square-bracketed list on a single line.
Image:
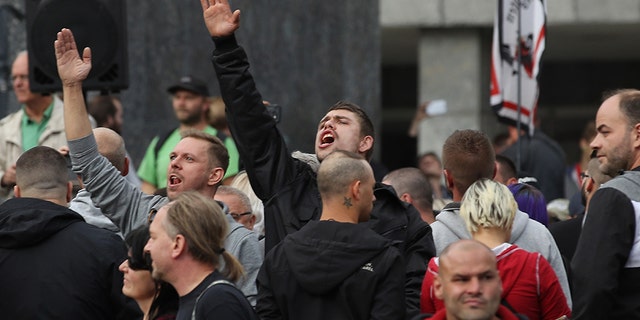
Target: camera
[(275, 111)]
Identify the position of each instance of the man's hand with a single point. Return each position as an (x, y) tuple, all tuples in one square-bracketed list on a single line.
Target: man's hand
[(71, 69), (9, 177), (218, 17)]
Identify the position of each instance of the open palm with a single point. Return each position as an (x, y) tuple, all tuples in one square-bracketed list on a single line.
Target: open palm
[(218, 17), (71, 68)]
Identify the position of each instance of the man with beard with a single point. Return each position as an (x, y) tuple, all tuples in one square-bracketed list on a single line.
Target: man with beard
[(191, 106), (286, 185), (606, 264), (198, 161)]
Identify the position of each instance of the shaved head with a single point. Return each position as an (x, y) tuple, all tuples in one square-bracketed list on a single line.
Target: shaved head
[(111, 146)]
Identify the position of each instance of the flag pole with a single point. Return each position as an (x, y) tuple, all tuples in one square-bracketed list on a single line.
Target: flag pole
[(519, 91)]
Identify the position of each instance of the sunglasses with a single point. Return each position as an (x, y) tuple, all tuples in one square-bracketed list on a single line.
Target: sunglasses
[(139, 265)]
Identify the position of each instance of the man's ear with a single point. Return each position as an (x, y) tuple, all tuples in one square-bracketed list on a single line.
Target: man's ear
[(125, 170), (69, 191), (495, 170), (437, 287), (215, 176), (636, 131), (448, 179), (365, 144), (16, 191), (354, 188), (406, 198), (179, 246)]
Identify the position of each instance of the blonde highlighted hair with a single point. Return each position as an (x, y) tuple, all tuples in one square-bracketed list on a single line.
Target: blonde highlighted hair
[(488, 204)]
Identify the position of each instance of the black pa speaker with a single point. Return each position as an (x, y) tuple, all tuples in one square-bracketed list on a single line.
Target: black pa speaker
[(98, 24)]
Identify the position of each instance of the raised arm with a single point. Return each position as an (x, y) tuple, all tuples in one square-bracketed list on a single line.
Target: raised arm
[(72, 71), (220, 21)]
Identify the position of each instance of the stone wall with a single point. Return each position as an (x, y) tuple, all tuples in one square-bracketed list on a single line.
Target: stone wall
[(305, 56)]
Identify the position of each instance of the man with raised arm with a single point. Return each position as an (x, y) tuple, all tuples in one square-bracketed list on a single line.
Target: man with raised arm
[(198, 163), (286, 185)]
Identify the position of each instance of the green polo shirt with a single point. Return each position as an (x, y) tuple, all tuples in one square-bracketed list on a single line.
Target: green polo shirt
[(31, 130)]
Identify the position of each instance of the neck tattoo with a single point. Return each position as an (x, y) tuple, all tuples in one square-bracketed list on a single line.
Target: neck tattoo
[(347, 202)]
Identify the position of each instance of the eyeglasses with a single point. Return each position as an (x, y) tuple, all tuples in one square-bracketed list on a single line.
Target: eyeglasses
[(138, 265), (236, 216), (152, 215), (584, 175)]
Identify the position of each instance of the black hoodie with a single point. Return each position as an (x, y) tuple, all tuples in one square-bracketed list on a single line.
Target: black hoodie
[(332, 270), (53, 265)]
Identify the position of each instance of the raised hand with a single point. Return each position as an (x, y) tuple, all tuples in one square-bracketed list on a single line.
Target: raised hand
[(71, 69), (218, 17)]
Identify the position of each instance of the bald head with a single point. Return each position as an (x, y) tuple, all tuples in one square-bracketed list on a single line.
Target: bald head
[(41, 172), (464, 247), (414, 182), (111, 146), (338, 170), (468, 271)]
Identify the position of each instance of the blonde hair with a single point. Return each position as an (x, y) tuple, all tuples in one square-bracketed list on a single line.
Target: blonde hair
[(204, 226), (488, 204)]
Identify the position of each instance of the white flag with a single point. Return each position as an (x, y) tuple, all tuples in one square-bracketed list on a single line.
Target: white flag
[(504, 60)]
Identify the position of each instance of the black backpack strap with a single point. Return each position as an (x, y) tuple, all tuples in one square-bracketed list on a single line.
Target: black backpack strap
[(508, 306), (162, 138), (217, 282)]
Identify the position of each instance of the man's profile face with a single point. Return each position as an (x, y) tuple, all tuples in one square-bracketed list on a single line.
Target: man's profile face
[(469, 284), (368, 197), (189, 107), (189, 168), (159, 245), (20, 80), (338, 130), (613, 143), (430, 166), (237, 210)]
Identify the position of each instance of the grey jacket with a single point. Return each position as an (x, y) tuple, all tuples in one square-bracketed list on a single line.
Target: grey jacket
[(243, 244), (128, 207), (526, 233), (83, 205)]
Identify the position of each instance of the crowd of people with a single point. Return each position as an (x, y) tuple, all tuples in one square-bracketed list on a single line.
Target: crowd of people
[(228, 223)]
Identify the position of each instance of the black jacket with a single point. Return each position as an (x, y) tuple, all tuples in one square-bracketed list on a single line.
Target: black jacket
[(288, 187), (332, 270), (606, 263), (53, 265)]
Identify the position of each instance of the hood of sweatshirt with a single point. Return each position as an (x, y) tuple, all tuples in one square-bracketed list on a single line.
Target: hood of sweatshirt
[(25, 222), (325, 253), (450, 217)]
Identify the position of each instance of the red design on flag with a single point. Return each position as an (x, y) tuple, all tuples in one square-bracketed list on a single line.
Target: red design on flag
[(506, 49)]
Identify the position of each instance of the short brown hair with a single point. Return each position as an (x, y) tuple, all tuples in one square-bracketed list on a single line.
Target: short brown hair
[(366, 126), (218, 154), (42, 172), (468, 156)]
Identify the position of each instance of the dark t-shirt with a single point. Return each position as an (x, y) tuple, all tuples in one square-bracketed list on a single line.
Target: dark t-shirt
[(220, 301)]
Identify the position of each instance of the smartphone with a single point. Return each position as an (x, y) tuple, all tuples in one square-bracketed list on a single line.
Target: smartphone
[(436, 107)]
